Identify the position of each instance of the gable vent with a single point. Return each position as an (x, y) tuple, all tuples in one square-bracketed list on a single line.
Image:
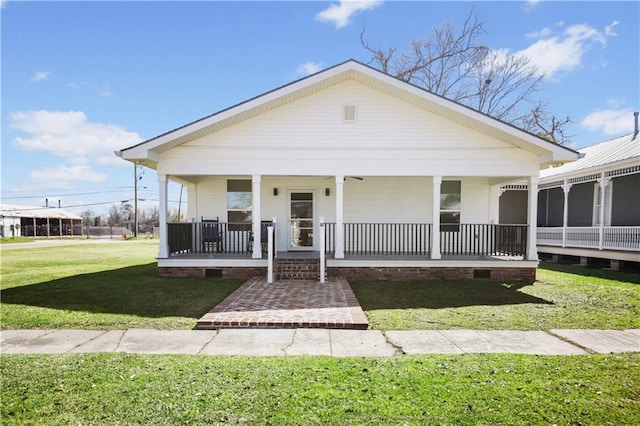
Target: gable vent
[(349, 113)]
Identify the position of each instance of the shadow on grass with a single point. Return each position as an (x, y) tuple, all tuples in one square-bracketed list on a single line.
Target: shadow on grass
[(625, 277), (439, 294), (136, 290)]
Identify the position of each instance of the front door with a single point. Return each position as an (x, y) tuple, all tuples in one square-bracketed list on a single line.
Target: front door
[(301, 221)]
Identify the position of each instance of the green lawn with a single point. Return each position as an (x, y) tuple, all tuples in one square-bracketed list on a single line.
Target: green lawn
[(562, 297), (101, 286), (439, 390), (116, 286), (105, 286)]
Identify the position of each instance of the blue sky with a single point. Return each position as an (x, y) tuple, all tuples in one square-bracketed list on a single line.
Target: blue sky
[(82, 79)]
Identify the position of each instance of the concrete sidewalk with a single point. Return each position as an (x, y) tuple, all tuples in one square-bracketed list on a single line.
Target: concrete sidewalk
[(319, 342)]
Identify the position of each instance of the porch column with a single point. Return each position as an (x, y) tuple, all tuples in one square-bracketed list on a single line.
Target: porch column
[(603, 192), (256, 214), (565, 212), (435, 234), (163, 251), (339, 253), (532, 250), (495, 192)]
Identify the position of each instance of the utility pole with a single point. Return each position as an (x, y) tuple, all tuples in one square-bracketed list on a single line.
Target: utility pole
[(135, 202)]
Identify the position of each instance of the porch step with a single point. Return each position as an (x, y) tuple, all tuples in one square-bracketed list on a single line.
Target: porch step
[(297, 269)]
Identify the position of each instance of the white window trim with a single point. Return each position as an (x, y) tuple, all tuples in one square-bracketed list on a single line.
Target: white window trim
[(459, 211), (250, 209), (608, 194)]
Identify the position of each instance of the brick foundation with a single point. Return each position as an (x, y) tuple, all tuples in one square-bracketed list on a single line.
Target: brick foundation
[(307, 271), (225, 272), (527, 275), (181, 272)]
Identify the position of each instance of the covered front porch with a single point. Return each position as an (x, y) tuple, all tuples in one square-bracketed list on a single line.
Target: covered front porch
[(362, 241), (312, 217)]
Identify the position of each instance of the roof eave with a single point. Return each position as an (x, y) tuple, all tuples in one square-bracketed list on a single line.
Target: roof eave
[(548, 152)]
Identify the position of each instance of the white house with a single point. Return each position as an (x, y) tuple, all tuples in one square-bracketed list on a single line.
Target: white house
[(591, 208), (403, 183)]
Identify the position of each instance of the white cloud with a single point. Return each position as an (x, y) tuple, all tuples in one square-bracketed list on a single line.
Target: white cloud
[(309, 68), (104, 90), (340, 14), (64, 177), (69, 135), (554, 53), (40, 76), (608, 30), (530, 4), (609, 121)]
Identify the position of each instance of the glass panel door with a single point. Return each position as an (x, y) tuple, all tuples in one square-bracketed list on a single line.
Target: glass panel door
[(301, 220)]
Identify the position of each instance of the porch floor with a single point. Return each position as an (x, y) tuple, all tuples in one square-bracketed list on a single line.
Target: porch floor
[(316, 255), (288, 304)]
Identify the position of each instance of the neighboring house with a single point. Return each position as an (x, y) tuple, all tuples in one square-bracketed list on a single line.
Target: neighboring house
[(25, 221), (591, 208), (405, 183)]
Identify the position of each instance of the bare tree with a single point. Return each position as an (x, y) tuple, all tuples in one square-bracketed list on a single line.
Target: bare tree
[(114, 215), (452, 63)]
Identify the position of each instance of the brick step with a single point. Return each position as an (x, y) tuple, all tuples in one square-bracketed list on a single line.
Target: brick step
[(297, 269)]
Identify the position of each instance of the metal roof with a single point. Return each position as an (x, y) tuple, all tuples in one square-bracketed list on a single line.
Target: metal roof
[(8, 210), (601, 155)]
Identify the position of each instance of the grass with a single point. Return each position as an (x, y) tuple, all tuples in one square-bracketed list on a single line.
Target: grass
[(101, 286), (105, 286), (116, 286), (14, 240), (469, 389), (562, 297)]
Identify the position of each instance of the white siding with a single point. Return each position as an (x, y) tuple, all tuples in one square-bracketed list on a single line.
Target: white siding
[(372, 200), (309, 137), (475, 200), (388, 200)]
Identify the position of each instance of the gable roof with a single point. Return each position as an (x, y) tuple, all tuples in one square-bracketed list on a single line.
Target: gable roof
[(548, 153), (622, 150)]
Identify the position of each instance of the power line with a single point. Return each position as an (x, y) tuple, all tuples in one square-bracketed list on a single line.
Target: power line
[(73, 206), (62, 195)]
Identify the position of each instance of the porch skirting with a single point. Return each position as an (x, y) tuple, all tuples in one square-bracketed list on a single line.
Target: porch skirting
[(527, 275), (221, 272), (372, 270)]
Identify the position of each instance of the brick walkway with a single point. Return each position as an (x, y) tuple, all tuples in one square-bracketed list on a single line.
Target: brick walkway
[(288, 303)]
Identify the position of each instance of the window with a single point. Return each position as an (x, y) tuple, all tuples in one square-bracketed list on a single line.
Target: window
[(239, 205), (607, 204), (450, 205)]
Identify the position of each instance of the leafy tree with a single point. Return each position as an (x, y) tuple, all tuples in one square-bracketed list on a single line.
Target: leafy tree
[(453, 63)]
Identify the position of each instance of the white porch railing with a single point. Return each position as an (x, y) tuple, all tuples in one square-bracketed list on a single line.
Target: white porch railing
[(622, 238), (583, 236), (626, 238), (549, 236)]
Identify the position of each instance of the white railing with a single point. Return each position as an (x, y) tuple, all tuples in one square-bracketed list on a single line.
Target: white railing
[(622, 238), (549, 236), (582, 236), (270, 254), (625, 238), (323, 253)]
